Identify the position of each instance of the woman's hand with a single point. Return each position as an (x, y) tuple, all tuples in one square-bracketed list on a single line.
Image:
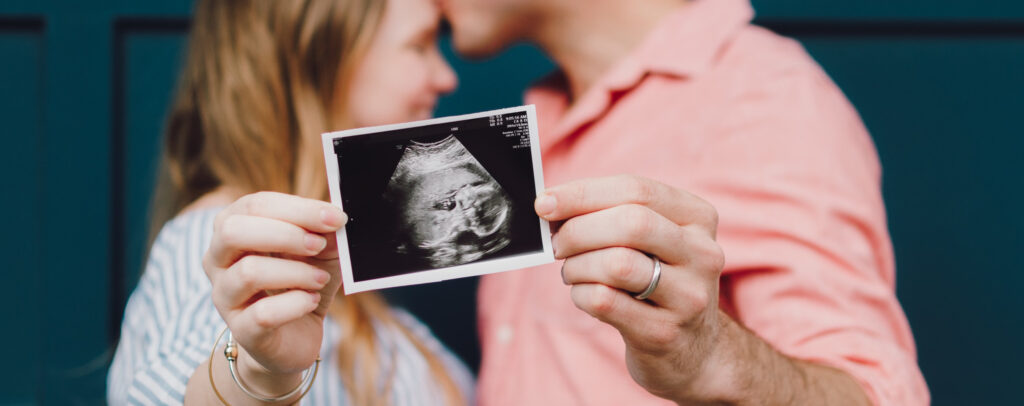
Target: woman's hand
[(273, 263)]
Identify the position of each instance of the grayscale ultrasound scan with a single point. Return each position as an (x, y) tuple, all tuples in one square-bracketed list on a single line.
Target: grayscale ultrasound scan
[(438, 199), (449, 207)]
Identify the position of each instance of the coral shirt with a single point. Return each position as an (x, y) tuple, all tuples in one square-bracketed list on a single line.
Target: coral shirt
[(747, 120)]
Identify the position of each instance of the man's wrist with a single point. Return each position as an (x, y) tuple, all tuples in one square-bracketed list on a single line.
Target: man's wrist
[(722, 377), (741, 367), (744, 369)]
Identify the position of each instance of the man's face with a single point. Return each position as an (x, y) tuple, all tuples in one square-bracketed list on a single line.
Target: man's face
[(484, 27)]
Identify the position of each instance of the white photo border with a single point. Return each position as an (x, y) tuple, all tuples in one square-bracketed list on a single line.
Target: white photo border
[(484, 267)]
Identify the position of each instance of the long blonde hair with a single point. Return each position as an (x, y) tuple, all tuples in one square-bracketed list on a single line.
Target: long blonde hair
[(259, 85)]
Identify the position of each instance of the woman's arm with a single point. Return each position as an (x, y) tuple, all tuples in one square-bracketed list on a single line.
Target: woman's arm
[(273, 266), (200, 391), (169, 322)]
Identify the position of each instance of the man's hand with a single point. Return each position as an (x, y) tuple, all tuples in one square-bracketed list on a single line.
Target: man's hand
[(679, 345), (612, 226)]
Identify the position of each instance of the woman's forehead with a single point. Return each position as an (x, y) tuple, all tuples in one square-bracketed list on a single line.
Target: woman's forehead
[(412, 18)]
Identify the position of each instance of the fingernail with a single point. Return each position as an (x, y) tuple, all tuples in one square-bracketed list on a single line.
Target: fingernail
[(545, 204), (322, 277), (332, 217), (315, 242), (316, 297)]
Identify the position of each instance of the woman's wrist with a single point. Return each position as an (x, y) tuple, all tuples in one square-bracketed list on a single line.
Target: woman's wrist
[(261, 380)]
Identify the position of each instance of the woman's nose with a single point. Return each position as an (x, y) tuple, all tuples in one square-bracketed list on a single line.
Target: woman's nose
[(444, 77)]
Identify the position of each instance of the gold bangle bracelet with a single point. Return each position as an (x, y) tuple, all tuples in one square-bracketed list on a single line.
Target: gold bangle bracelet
[(231, 354)]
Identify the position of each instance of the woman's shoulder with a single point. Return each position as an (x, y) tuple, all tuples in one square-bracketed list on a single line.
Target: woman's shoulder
[(177, 252), (195, 221), (189, 225)]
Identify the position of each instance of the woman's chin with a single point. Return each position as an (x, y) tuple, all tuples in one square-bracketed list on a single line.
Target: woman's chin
[(423, 115)]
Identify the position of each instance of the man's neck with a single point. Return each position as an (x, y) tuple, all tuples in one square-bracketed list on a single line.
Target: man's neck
[(587, 41)]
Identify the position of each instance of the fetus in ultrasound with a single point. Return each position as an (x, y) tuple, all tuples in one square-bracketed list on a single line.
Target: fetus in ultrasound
[(450, 210)]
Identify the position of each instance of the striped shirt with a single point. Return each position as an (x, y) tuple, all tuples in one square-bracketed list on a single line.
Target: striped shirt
[(170, 324)]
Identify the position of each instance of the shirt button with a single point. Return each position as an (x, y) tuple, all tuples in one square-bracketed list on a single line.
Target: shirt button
[(504, 333)]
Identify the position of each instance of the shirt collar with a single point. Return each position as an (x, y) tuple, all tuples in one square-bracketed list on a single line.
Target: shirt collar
[(684, 44)]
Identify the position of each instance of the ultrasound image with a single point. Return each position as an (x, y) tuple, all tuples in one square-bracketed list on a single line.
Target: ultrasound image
[(449, 207), (440, 195)]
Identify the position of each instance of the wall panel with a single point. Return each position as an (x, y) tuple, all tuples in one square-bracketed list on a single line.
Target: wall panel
[(147, 57), (899, 10), (75, 209), (21, 126)]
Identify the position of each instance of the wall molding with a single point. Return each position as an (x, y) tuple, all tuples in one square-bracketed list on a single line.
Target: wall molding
[(894, 28), (123, 28)]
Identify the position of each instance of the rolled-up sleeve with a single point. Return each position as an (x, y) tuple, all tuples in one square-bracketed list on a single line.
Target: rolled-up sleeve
[(809, 267)]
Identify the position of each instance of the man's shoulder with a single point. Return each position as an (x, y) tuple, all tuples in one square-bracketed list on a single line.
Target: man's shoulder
[(770, 72), (758, 53)]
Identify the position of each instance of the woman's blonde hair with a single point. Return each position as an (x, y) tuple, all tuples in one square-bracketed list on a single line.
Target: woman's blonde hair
[(260, 83)]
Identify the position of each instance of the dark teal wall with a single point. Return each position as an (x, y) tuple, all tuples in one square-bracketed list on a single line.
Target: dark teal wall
[(84, 87), (945, 114)]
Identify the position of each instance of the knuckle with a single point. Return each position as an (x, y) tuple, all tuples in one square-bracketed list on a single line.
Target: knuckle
[(705, 212), (218, 220), (602, 300), (697, 302), (636, 221), (576, 196), (261, 317), (716, 258), (573, 270), (254, 203), (295, 238), (218, 296), (248, 273), (229, 232), (624, 262), (640, 189), (207, 264), (712, 216), (566, 234), (709, 258)]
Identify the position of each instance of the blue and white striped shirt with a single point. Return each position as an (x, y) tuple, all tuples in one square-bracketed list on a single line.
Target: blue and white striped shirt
[(170, 324)]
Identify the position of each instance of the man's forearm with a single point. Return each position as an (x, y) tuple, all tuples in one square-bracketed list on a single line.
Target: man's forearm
[(746, 370)]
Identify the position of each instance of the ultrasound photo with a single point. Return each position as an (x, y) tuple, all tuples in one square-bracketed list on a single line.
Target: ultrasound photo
[(449, 208), (438, 199)]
